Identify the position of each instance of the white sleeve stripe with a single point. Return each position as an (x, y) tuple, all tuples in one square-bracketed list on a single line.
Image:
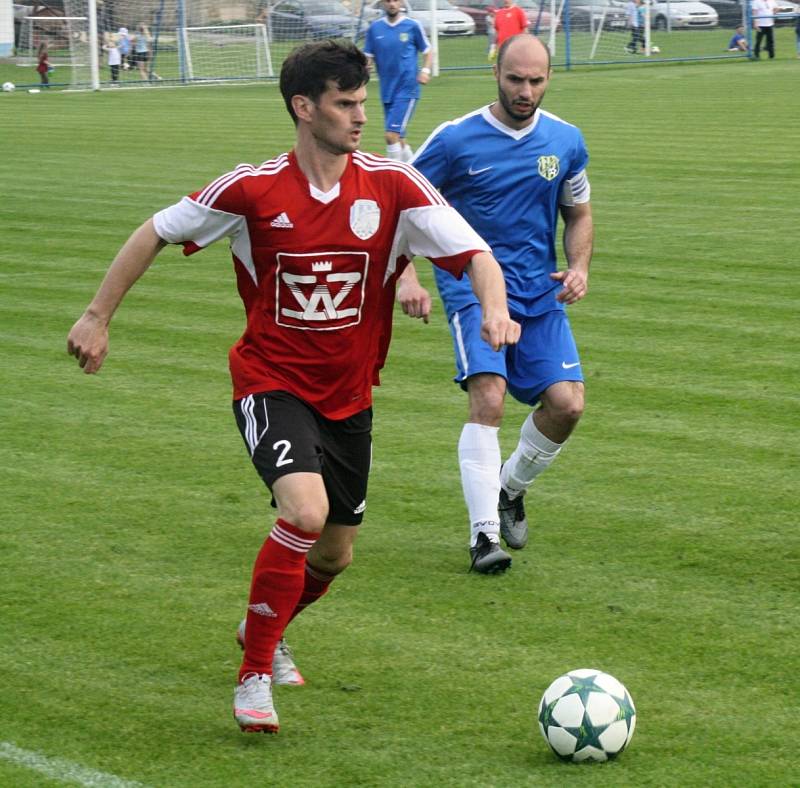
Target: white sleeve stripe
[(375, 163), (210, 194)]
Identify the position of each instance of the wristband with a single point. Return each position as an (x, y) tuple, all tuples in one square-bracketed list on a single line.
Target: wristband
[(425, 70)]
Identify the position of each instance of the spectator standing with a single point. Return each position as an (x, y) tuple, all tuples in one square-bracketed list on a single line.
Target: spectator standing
[(141, 51), (113, 56), (43, 65), (124, 44), (634, 23), (394, 43), (764, 24)]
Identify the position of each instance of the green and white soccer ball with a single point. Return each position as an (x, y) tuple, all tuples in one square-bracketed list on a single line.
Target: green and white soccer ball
[(9, 87), (587, 715)]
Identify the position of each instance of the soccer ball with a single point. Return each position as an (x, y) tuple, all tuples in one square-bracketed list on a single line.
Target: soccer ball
[(587, 715), (654, 50), (9, 87)]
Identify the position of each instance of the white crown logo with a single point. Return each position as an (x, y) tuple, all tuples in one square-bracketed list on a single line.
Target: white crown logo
[(324, 265)]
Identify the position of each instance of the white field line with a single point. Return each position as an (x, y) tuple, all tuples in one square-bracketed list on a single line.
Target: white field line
[(62, 769)]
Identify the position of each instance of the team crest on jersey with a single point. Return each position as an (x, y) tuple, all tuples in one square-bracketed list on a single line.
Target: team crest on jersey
[(403, 37), (548, 167), (322, 291), (365, 218)]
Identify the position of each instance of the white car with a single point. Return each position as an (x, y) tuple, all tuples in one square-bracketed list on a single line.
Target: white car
[(682, 14), (449, 20)]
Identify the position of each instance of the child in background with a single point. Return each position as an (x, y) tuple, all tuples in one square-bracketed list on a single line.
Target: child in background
[(114, 56), (43, 66), (738, 42)]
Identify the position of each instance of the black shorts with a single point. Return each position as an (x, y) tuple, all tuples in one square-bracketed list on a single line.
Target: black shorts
[(285, 435)]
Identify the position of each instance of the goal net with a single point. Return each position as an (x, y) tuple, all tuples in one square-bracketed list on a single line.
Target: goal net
[(67, 42), (225, 52)]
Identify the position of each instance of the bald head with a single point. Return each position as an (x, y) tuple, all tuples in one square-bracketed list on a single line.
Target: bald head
[(523, 73), (524, 45)]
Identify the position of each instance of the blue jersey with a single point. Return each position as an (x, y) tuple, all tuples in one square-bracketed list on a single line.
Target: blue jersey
[(506, 183), (395, 48)]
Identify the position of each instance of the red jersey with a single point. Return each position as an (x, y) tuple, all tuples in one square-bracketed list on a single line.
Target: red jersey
[(509, 22), (317, 271)]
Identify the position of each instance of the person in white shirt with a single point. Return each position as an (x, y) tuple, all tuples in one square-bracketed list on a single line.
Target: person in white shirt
[(764, 25)]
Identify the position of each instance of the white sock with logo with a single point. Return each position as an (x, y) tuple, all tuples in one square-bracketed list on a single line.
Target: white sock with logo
[(479, 460), (407, 154), (395, 151), (534, 454)]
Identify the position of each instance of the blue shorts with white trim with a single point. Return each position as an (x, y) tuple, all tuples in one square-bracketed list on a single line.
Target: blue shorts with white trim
[(546, 353), (397, 115)]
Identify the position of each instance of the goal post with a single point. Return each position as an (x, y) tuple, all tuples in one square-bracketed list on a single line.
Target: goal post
[(67, 39), (225, 52)]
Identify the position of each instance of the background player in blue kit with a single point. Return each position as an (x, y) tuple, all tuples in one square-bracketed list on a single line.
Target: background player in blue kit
[(510, 168), (394, 43)]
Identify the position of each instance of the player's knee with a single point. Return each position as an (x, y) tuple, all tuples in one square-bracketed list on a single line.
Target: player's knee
[(333, 559), (568, 408), (309, 516), (486, 400)]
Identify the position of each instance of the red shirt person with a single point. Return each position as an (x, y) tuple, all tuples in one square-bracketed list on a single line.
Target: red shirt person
[(510, 20), (319, 237)]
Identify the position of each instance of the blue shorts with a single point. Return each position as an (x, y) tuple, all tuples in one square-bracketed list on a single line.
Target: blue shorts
[(546, 353), (398, 114)]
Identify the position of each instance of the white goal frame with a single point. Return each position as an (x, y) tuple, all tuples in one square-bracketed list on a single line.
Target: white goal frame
[(192, 72)]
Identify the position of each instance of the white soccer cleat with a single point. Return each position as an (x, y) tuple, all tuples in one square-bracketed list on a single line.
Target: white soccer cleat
[(252, 704), (284, 671)]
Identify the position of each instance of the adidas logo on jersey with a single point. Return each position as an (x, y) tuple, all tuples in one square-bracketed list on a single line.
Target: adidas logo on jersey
[(282, 221), (263, 609)]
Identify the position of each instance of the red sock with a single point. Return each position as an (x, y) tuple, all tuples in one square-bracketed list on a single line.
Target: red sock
[(278, 579), (316, 586)]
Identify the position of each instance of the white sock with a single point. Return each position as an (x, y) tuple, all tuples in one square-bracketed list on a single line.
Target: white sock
[(534, 454), (395, 151), (479, 460), (408, 153)]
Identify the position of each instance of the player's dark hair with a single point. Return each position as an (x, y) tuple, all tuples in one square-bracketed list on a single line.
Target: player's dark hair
[(310, 67), (504, 46)]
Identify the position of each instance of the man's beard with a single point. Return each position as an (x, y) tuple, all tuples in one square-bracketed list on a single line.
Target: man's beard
[(509, 107)]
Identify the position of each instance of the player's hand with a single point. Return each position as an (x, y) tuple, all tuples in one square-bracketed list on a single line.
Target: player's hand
[(423, 78), (500, 331), (575, 285), (88, 342), (414, 299)]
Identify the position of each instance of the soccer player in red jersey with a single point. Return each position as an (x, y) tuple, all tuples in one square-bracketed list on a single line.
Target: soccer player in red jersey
[(510, 20), (319, 237)]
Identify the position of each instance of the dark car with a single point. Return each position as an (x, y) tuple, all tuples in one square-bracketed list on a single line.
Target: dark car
[(730, 12), (589, 16), (295, 20)]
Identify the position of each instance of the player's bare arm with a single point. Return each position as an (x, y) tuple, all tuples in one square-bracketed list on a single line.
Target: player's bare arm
[(414, 299), (498, 329), (578, 243), (88, 338), (424, 74)]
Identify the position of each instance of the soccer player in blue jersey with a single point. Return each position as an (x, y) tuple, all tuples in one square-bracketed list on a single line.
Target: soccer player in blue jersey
[(510, 169), (394, 43)]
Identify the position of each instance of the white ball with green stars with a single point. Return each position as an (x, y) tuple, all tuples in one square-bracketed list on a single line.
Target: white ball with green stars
[(587, 715)]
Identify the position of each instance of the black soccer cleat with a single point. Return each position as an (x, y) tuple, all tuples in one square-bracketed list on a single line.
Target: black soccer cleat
[(488, 557)]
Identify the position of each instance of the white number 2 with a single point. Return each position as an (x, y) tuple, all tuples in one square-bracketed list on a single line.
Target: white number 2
[(285, 447)]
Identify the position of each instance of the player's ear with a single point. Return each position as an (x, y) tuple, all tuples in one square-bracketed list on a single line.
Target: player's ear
[(302, 107)]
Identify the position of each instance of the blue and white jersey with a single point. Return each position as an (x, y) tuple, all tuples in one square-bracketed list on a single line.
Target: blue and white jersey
[(508, 185), (395, 48)]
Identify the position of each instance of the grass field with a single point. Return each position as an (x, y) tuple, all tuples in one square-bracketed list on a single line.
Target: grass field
[(665, 539)]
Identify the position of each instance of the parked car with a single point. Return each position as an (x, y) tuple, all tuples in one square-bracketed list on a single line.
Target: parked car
[(450, 21), (291, 20), (730, 12), (589, 17), (786, 13), (682, 14)]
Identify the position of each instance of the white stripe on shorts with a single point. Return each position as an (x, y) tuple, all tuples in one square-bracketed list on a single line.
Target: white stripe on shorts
[(253, 438), (462, 351)]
